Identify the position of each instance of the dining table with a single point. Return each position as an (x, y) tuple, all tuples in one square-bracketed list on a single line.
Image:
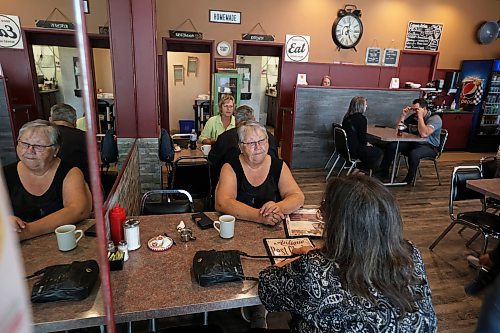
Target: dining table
[(489, 187), (389, 134), (161, 284), (41, 252)]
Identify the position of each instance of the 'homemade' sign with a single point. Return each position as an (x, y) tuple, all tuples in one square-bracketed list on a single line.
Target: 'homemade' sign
[(220, 16), (423, 36)]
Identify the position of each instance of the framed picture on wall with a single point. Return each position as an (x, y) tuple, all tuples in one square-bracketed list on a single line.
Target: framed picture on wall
[(178, 74)]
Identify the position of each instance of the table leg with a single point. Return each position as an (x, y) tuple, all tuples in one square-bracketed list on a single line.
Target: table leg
[(393, 173)]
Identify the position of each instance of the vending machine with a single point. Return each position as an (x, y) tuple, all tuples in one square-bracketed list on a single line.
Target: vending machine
[(480, 93)]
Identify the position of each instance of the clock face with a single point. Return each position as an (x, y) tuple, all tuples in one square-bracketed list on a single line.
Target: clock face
[(347, 31)]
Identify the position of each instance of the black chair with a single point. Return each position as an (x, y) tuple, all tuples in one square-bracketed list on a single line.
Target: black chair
[(490, 168), (443, 138), (342, 148), (182, 140), (334, 125), (482, 222), (193, 175), (165, 203)]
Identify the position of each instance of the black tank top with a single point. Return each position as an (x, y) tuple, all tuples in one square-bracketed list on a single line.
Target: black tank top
[(29, 207), (257, 196)]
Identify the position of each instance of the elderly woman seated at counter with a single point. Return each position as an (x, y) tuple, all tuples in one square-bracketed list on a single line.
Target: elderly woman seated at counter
[(256, 186), (220, 123), (45, 192)]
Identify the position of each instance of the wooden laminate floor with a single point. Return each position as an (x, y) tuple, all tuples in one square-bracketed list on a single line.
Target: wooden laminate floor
[(424, 209)]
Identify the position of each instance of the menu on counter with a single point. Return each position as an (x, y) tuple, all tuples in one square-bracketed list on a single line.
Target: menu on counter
[(282, 247), (304, 222), (423, 36)]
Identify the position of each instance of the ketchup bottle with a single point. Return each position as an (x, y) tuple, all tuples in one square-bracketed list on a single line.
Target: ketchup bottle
[(116, 218)]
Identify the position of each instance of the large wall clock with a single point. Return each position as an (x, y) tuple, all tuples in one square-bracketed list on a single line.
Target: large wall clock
[(347, 29)]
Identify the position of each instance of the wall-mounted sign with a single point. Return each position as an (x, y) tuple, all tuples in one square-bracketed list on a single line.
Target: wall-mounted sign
[(297, 48), (55, 25), (10, 32), (390, 57), (373, 55), (259, 38), (423, 36), (103, 30), (223, 48), (220, 16), (185, 34)]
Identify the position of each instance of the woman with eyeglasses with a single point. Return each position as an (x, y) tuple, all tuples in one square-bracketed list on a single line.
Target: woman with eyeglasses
[(255, 186), (363, 278), (220, 123), (44, 192)]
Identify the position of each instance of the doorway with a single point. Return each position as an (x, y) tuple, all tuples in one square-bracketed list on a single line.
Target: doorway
[(186, 71), (265, 60)]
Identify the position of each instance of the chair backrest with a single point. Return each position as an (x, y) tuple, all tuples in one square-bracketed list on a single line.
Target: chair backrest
[(335, 125), (182, 140), (166, 204), (193, 175), (458, 189), (340, 139), (443, 137)]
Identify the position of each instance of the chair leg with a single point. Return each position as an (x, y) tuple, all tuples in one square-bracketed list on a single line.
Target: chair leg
[(397, 169), (152, 325), (333, 167), (461, 230), (452, 224), (350, 168), (329, 160), (341, 169), (486, 240), (473, 238), (437, 172)]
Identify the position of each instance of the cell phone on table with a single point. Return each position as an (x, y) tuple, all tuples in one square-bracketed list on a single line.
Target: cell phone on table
[(203, 221), (91, 231)]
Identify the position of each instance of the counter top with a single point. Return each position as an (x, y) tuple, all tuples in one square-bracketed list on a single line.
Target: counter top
[(46, 91), (453, 112)]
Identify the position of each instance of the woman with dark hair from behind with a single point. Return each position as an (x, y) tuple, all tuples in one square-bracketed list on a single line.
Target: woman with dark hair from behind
[(355, 126), (365, 277)]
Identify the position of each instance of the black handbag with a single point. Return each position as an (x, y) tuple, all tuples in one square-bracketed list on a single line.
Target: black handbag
[(69, 282), (211, 267)]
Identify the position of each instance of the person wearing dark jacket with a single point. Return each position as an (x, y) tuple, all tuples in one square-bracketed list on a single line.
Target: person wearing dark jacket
[(355, 125)]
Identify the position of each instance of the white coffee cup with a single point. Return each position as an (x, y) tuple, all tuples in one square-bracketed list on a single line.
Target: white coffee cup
[(225, 226), (66, 237), (206, 149)]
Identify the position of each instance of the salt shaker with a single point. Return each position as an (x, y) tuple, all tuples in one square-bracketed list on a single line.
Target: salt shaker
[(122, 246)]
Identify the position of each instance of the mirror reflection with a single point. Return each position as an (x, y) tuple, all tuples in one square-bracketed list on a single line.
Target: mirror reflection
[(41, 83)]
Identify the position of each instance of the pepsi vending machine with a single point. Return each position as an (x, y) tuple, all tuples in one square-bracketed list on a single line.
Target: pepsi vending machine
[(480, 93)]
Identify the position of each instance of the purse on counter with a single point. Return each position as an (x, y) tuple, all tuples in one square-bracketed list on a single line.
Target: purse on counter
[(211, 267), (68, 282)]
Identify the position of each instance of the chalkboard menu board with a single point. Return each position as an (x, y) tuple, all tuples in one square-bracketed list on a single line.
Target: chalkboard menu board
[(423, 36), (373, 55), (390, 57)]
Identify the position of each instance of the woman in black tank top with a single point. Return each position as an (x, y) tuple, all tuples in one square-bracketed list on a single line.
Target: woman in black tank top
[(255, 186), (45, 193)]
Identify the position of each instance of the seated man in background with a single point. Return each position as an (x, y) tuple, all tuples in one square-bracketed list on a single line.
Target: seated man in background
[(420, 122), (73, 150), (226, 146), (254, 185), (220, 123)]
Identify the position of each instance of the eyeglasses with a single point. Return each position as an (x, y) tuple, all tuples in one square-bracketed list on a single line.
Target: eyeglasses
[(254, 144), (37, 148)]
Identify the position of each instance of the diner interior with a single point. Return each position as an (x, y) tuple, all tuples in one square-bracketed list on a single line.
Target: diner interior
[(126, 73)]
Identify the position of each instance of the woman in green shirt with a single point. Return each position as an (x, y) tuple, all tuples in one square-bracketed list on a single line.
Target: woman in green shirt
[(220, 123)]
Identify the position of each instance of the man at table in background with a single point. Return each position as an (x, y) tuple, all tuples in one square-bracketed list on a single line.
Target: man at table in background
[(73, 149), (226, 146), (419, 121)]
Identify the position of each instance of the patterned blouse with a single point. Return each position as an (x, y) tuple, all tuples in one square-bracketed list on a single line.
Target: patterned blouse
[(310, 289)]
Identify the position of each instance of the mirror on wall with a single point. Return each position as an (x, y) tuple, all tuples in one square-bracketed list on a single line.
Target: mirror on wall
[(44, 72)]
